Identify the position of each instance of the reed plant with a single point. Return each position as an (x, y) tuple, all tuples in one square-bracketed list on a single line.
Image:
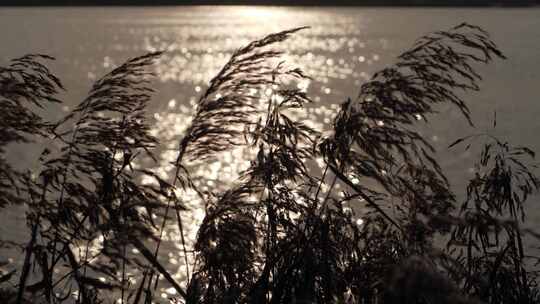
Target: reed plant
[(365, 228)]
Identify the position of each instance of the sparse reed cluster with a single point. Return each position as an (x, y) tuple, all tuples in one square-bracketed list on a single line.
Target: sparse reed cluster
[(281, 233)]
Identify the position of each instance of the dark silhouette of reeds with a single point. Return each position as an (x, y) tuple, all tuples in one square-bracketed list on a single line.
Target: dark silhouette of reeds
[(281, 234)]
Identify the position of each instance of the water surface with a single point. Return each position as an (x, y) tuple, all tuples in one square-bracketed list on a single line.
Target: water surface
[(340, 50)]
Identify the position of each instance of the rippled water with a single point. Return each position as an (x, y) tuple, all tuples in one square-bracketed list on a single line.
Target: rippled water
[(340, 50)]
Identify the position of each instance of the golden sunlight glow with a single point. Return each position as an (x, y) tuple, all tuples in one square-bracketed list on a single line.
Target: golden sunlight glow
[(257, 12)]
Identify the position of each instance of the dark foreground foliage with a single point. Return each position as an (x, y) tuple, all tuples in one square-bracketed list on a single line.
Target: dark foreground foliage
[(282, 233)]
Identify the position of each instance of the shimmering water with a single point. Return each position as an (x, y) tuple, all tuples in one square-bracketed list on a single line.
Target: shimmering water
[(343, 47)]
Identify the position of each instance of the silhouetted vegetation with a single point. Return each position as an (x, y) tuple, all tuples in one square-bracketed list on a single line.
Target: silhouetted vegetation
[(378, 223)]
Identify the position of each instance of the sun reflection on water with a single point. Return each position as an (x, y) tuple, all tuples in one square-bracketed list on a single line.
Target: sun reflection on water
[(335, 57), (335, 52)]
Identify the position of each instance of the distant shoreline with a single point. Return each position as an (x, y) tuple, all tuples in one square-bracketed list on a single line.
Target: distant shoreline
[(277, 5), (335, 3)]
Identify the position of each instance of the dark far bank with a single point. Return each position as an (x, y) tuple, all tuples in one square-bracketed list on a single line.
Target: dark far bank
[(439, 3)]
